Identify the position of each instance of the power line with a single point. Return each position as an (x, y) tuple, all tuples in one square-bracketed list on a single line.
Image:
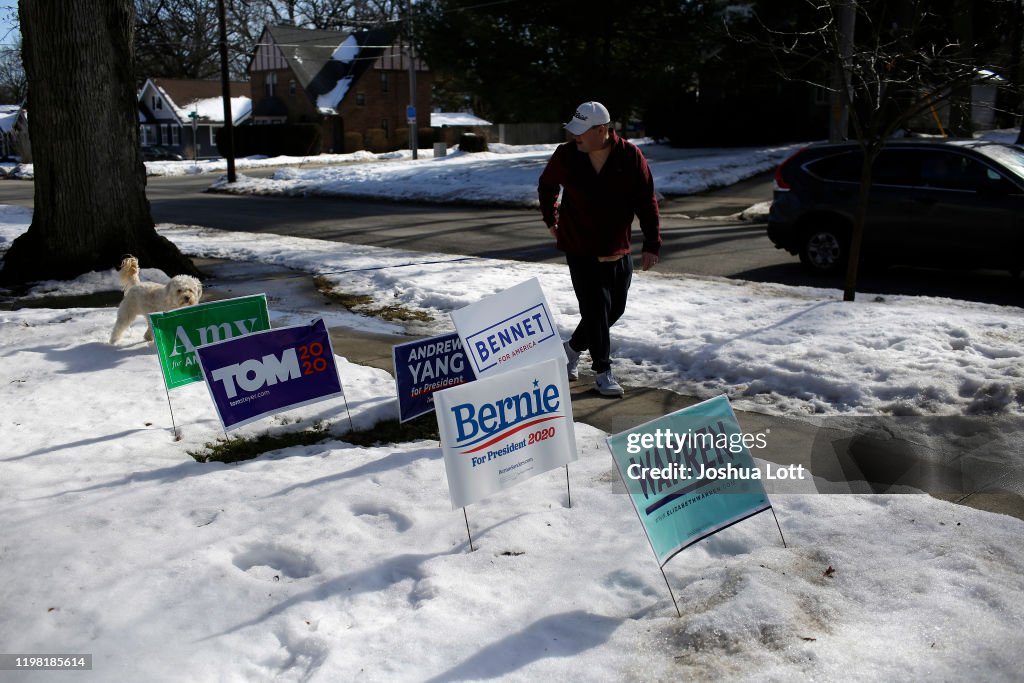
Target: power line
[(480, 6)]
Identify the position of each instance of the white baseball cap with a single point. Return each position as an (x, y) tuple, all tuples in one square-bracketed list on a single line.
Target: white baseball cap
[(588, 115)]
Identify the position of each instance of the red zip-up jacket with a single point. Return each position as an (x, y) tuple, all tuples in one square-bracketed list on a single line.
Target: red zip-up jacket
[(595, 216)]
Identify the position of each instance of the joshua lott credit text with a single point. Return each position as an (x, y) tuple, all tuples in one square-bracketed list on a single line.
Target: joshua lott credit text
[(702, 454)]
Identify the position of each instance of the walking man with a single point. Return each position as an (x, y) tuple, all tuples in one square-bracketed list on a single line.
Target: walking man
[(605, 182)]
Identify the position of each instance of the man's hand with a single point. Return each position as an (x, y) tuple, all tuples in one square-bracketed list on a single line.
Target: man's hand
[(553, 229), (648, 260)]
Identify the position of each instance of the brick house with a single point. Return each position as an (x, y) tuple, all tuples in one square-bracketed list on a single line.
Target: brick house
[(168, 107), (344, 82)]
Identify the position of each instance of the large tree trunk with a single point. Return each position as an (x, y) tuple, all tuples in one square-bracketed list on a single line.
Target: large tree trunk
[(90, 181)]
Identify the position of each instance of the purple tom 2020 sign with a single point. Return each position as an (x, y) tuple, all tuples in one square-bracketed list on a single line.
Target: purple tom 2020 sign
[(268, 372)]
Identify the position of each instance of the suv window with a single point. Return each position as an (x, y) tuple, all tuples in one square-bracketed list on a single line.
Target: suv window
[(843, 167), (897, 167), (1011, 157), (951, 171)]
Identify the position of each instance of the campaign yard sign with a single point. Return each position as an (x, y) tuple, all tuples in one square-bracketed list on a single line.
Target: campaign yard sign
[(178, 333), (425, 366), (689, 474), (511, 329), (499, 431), (268, 372)]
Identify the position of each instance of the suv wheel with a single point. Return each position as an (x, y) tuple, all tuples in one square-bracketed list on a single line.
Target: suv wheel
[(825, 248)]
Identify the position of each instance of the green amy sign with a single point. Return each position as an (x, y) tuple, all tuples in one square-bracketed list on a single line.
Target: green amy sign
[(178, 333)]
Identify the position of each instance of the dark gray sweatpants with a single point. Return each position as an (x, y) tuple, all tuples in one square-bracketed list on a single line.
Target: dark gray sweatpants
[(601, 292)]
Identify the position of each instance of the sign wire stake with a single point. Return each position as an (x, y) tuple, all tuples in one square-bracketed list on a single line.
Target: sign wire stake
[(673, 595), (471, 548), (567, 489), (779, 526), (174, 426), (344, 397)]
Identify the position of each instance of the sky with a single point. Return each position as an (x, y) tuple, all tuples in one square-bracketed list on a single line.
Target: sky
[(337, 562), (9, 32)]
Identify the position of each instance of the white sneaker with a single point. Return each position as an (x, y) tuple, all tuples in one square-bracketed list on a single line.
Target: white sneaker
[(572, 366), (607, 386)]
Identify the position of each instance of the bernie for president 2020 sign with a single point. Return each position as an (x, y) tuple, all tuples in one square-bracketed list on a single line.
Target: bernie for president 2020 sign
[(511, 329), (499, 431)]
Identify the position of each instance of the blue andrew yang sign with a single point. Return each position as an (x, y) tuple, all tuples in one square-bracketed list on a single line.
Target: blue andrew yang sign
[(269, 372), (511, 329), (425, 366)]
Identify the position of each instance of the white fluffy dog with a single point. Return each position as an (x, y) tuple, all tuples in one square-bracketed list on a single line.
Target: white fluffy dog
[(143, 298)]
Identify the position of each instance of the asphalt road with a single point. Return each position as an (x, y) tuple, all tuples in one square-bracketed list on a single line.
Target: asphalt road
[(699, 235), (701, 246)]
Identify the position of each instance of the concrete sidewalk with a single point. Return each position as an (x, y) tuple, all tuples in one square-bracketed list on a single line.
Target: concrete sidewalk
[(845, 455)]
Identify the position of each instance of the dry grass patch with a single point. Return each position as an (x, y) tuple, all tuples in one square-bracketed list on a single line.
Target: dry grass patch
[(363, 304), (238, 449)]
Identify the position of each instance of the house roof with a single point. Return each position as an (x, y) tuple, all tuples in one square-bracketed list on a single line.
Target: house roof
[(204, 98), (456, 118), (328, 62)]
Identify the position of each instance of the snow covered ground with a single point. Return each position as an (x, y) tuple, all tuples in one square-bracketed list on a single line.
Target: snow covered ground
[(335, 562), (772, 348), (504, 175)]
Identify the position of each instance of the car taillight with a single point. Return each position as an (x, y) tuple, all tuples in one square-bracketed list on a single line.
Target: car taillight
[(780, 183)]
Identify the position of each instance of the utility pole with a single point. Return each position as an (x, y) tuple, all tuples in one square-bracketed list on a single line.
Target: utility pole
[(410, 112), (225, 83)]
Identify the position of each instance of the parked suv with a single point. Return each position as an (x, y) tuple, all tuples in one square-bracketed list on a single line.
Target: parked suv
[(931, 202)]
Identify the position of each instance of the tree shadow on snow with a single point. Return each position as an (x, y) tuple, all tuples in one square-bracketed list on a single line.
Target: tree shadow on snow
[(392, 461), (161, 475), (90, 356), (372, 579), (75, 444), (559, 635)]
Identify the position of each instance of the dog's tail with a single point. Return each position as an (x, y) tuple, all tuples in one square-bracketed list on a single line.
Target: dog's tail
[(129, 271)]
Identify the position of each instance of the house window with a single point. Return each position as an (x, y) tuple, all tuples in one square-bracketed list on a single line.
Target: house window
[(213, 137), (148, 134), (384, 125), (383, 81), (176, 136), (157, 102), (165, 133), (291, 87), (270, 84), (360, 99)]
